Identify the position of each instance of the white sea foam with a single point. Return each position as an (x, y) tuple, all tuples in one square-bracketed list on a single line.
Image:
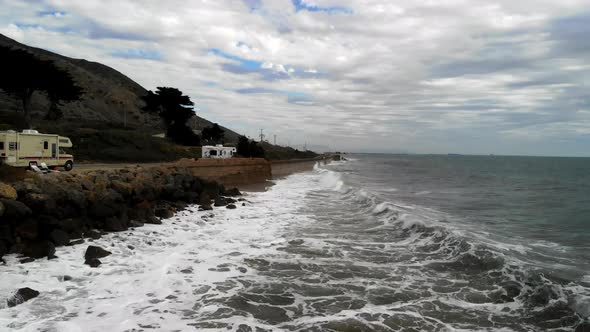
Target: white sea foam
[(154, 283)]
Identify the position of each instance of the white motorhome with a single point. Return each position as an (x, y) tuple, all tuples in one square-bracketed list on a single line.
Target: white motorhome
[(33, 148), (218, 151)]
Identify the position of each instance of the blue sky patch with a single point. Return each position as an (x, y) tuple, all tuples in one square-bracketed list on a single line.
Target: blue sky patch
[(243, 63), (53, 13), (302, 5), (138, 54)]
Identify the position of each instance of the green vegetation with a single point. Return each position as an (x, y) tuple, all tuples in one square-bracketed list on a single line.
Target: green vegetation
[(213, 134), (175, 109), (24, 74), (249, 149)]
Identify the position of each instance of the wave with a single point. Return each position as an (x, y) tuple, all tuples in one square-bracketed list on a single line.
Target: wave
[(444, 249)]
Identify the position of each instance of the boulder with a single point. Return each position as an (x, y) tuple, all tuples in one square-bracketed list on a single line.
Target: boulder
[(231, 206), (205, 208), (107, 204), (7, 191), (220, 201), (93, 252), (3, 248), (122, 188), (59, 237), (15, 209), (28, 229), (21, 296), (93, 262), (39, 249), (42, 203), (116, 224), (93, 234), (232, 192), (164, 213), (152, 220)]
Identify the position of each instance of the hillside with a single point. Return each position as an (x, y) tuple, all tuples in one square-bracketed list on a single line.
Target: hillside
[(107, 123)]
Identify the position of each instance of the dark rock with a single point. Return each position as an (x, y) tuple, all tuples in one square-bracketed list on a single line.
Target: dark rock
[(59, 237), (205, 208), (116, 224), (204, 199), (93, 262), (164, 213), (42, 203), (75, 242), (15, 209), (28, 229), (108, 204), (583, 327), (95, 252), (153, 220), (220, 201), (39, 249), (232, 192), (3, 248), (6, 233), (135, 223), (231, 206), (93, 234), (26, 260), (21, 296), (67, 278), (229, 200), (131, 247)]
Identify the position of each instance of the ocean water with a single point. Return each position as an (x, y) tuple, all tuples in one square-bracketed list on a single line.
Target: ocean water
[(375, 243)]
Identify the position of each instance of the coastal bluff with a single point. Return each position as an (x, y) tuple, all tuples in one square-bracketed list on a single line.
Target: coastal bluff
[(43, 211)]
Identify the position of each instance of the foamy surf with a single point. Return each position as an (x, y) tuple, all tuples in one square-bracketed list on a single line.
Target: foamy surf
[(156, 274), (314, 253)]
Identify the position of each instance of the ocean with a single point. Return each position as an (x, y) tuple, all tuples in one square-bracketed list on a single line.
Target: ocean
[(373, 243)]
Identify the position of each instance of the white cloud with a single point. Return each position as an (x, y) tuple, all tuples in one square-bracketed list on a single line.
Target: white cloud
[(403, 75)]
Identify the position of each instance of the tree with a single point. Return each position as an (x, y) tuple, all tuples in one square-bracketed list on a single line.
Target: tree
[(23, 74), (249, 149), (243, 148), (213, 134), (62, 90), (175, 109)]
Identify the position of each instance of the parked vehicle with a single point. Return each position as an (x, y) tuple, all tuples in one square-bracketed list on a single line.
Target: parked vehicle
[(218, 151), (33, 148)]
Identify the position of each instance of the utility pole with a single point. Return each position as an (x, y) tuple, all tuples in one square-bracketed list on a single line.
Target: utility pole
[(261, 135), (275, 136)]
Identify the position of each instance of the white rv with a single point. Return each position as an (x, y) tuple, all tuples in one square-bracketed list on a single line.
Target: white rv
[(32, 148), (218, 151)]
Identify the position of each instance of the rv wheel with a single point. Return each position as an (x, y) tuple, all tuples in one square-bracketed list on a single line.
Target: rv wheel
[(68, 166)]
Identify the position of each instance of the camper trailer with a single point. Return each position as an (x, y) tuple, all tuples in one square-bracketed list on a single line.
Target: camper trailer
[(218, 151), (33, 148)]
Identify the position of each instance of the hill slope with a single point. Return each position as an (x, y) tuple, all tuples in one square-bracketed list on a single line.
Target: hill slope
[(95, 123)]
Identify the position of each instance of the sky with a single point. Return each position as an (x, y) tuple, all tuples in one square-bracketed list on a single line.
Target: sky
[(418, 76)]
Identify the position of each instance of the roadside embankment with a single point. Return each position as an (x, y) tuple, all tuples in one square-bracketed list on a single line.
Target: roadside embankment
[(55, 209)]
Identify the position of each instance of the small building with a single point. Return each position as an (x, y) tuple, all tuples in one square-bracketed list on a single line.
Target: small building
[(33, 148), (218, 151)]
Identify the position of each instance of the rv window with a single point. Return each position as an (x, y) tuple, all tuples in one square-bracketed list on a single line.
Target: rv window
[(213, 152), (1, 145), (46, 145), (12, 146)]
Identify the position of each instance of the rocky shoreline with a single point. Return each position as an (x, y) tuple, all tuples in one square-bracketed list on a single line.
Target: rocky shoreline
[(40, 213)]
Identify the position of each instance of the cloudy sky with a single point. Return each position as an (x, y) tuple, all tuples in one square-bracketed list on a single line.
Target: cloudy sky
[(424, 76)]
